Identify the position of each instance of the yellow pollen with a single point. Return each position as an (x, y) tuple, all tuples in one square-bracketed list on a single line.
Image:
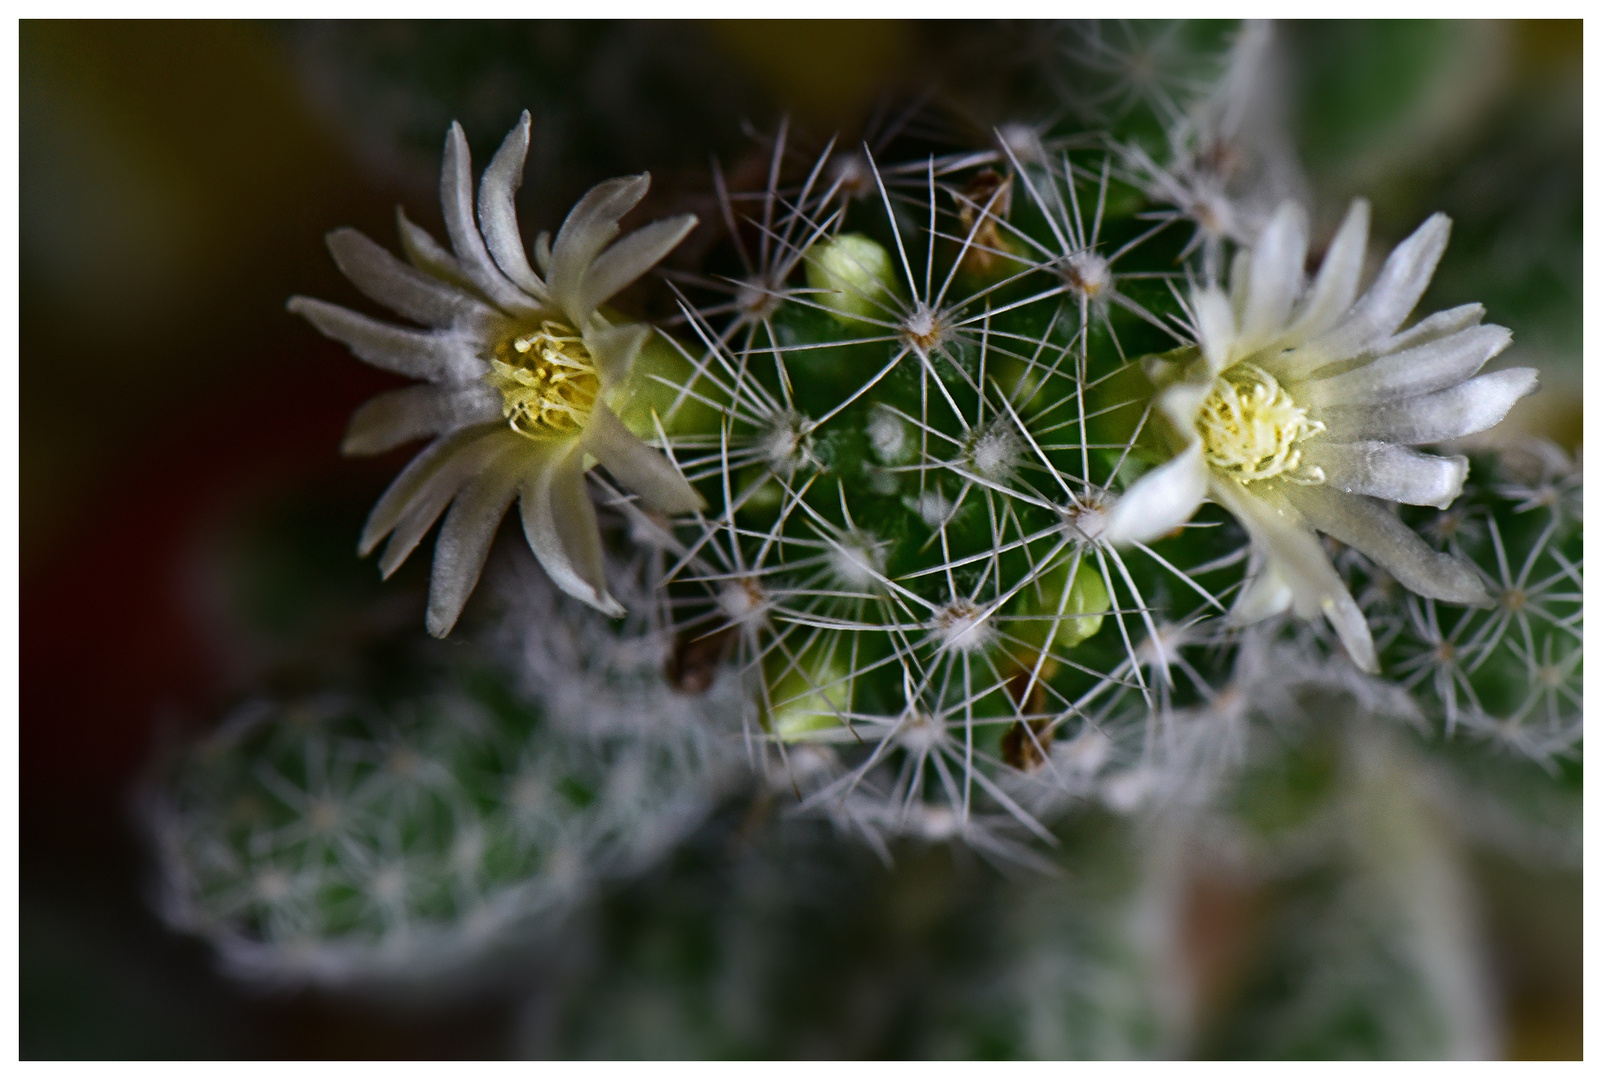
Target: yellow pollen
[(547, 380), (1250, 428)]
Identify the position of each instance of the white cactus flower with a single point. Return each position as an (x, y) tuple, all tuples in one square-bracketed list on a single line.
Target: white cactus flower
[(526, 377), (1298, 410)]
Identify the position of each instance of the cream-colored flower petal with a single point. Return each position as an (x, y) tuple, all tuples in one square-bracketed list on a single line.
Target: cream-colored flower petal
[(1278, 262), (464, 541), (399, 416), (1266, 594), (1240, 283), (1423, 369), (435, 355), (1289, 546), (614, 349), (590, 226), (1215, 326), (1387, 471), (1439, 325), (1374, 530), (427, 255), (1181, 398), (435, 494), (1335, 287), (646, 472), (1466, 408), (456, 200), (542, 251), (620, 265), (497, 211), (1392, 297), (459, 452), (559, 522), (404, 289), (1351, 626), (1160, 501)]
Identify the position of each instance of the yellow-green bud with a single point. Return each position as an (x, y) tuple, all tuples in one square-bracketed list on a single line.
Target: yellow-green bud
[(656, 386), (1048, 621), (808, 696), (855, 276)]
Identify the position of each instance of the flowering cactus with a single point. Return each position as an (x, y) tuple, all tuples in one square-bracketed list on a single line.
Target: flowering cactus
[(1010, 498)]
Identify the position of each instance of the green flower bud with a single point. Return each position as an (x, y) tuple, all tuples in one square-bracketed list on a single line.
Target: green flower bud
[(664, 385), (1048, 621), (808, 695), (856, 276)]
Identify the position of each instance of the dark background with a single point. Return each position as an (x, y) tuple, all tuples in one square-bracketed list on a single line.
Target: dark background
[(176, 182)]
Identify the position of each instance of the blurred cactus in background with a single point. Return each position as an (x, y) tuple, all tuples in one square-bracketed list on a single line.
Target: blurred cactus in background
[(1071, 654)]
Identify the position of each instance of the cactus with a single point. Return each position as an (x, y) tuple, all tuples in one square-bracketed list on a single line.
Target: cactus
[(1027, 526), (402, 844)]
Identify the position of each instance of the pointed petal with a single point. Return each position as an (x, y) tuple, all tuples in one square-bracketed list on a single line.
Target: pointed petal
[(1392, 297), (1278, 263), (418, 296), (620, 265), (1351, 626), (1240, 282), (1423, 369), (1472, 406), (399, 416), (433, 496), (1266, 593), (1160, 501), (559, 522), (1335, 287), (590, 226), (456, 200), (1215, 326), (497, 210), (1296, 556), (1386, 471), (459, 454), (465, 538), (646, 472), (437, 355), (614, 349), (427, 255), (1372, 529), (1438, 325)]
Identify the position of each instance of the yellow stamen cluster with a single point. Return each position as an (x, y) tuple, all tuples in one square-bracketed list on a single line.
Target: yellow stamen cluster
[(1250, 428), (547, 380)]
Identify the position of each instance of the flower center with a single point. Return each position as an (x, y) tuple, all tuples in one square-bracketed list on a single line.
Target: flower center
[(1250, 428), (547, 380)]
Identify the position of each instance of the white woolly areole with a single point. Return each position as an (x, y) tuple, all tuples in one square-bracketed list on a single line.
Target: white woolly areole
[(745, 602), (784, 445), (1085, 521), (857, 561), (932, 508), (887, 434), (993, 453), (919, 732), (1086, 274), (960, 626)]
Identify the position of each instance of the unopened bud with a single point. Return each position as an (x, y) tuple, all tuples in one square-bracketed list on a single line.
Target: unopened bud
[(807, 695), (855, 276), (1049, 621)]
